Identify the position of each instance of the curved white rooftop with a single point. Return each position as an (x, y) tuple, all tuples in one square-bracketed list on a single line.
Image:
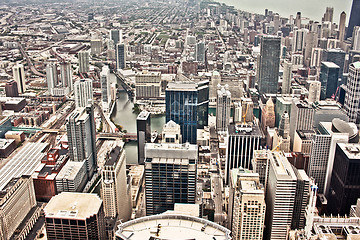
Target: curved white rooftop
[(172, 227)]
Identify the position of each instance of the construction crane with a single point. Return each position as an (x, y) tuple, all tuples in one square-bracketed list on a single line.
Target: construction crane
[(276, 148), (244, 115)]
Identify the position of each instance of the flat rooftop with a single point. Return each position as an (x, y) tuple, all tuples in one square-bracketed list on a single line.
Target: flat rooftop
[(71, 205), (70, 170), (244, 129), (351, 150), (143, 115), (24, 162), (174, 227)]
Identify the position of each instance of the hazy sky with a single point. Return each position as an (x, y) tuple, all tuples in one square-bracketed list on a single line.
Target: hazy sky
[(314, 9)]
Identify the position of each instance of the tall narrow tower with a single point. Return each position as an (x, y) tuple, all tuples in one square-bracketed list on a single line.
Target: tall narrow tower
[(354, 19), (223, 108)]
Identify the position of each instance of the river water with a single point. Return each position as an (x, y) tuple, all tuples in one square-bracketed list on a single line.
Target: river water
[(124, 116)]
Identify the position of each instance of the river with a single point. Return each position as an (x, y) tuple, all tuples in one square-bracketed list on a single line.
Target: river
[(124, 116)]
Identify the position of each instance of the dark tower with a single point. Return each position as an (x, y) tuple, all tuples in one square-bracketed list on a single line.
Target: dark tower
[(354, 19)]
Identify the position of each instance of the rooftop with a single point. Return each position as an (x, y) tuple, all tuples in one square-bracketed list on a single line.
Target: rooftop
[(23, 162), (71, 205), (70, 170), (244, 129), (172, 226), (144, 115), (330, 64), (351, 150), (356, 65)]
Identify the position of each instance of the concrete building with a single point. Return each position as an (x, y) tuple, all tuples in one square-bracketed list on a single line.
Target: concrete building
[(105, 87), (95, 46), (168, 225), (114, 187), (83, 92), (171, 133), (84, 58), (246, 205), (242, 140), (267, 115), (80, 127), (314, 91), (66, 75), (115, 36), (72, 177), (143, 130), (11, 89), (75, 216), (268, 65), (299, 40), (328, 134), (353, 91), (19, 76), (301, 117), (223, 105), (179, 163), (148, 85), (342, 26), (200, 52), (7, 146), (287, 76), (51, 76), (17, 199)]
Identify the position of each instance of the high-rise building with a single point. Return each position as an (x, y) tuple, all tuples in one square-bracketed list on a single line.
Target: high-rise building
[(268, 115), (352, 91), (80, 127), (356, 39), (301, 117), (51, 76), (246, 205), (286, 83), (260, 164), (281, 139), (316, 56), (143, 129), (268, 65), (17, 199), (187, 105), (84, 58), (114, 188), (223, 105), (286, 197), (105, 86), (354, 19), (324, 141), (298, 20), (200, 52), (314, 91), (66, 75), (299, 40), (342, 26), (311, 42), (11, 89), (329, 78), (171, 133), (115, 35), (83, 92), (329, 14), (242, 140), (148, 85), (19, 76), (179, 163), (75, 216), (120, 52), (96, 46), (336, 56), (345, 182)]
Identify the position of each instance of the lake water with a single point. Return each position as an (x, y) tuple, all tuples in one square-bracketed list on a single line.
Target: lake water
[(308, 8)]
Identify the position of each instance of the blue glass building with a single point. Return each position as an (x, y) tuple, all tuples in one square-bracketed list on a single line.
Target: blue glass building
[(187, 105)]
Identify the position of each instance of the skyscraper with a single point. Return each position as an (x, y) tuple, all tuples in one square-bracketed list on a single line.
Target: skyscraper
[(329, 78), (117, 202), (329, 14), (178, 162), (120, 52), (115, 35), (286, 84), (66, 75), (354, 19), (345, 181), (223, 108), (336, 56), (11, 89), (75, 216), (84, 57), (83, 92), (19, 76), (143, 129), (342, 26), (242, 141), (187, 105), (268, 115), (352, 91), (200, 52), (51, 76), (80, 128), (268, 65), (298, 20), (105, 87), (246, 205), (299, 40), (356, 39)]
